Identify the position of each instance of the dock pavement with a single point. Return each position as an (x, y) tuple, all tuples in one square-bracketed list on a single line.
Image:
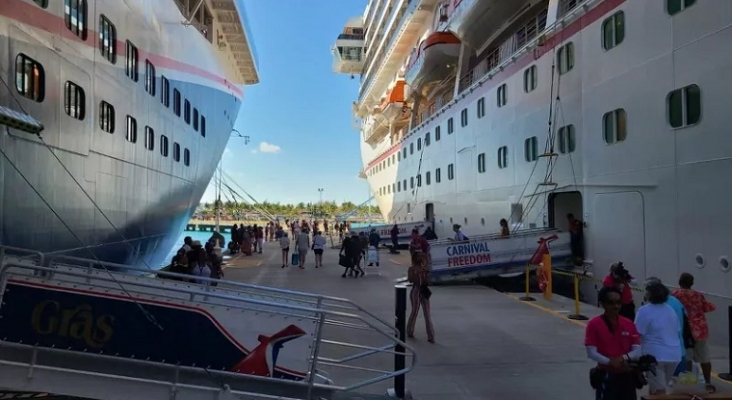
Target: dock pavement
[(489, 344)]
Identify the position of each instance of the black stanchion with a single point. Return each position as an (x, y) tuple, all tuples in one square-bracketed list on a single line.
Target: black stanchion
[(400, 314), (728, 375)]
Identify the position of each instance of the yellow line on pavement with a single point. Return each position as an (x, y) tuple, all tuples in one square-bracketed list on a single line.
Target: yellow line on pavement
[(579, 323)]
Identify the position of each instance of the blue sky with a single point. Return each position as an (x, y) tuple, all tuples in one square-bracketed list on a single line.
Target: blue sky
[(299, 116)]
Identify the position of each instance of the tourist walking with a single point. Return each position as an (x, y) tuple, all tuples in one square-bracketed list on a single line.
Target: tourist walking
[(417, 274), (658, 326), (696, 306), (303, 244), (612, 341), (259, 235), (318, 247), (285, 246), (373, 253)]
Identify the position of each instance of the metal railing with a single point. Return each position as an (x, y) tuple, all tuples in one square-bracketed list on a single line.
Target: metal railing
[(522, 40), (334, 318)]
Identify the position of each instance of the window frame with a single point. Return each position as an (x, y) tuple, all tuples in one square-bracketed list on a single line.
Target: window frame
[(132, 60), (149, 138), (107, 117), (464, 118), (567, 139), (530, 76), (131, 129), (480, 108), (684, 105), (186, 157), (501, 96), (177, 102), (481, 163), (74, 92), (566, 58), (683, 5), (531, 149), (616, 131), (617, 39), (450, 172), (80, 30), (109, 52), (37, 89), (164, 143), (502, 157)]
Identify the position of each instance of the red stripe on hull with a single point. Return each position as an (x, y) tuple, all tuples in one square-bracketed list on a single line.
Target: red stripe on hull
[(31, 14)]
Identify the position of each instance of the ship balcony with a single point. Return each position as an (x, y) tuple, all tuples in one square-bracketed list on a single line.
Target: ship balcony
[(348, 54), (393, 107), (376, 131), (492, 16), (433, 61)]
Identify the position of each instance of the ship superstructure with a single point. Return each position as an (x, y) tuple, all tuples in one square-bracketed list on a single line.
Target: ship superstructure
[(137, 99), (529, 110)]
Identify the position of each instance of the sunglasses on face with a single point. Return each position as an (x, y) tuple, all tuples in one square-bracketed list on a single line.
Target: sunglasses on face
[(613, 302)]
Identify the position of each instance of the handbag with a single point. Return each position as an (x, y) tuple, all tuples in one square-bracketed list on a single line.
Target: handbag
[(344, 261)]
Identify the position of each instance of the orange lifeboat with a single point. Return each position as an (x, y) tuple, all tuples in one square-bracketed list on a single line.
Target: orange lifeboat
[(393, 105), (434, 60)]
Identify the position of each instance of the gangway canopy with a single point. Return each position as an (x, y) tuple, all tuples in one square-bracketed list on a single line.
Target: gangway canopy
[(493, 255), (83, 328)]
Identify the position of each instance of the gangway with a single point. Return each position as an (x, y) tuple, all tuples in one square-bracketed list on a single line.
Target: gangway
[(83, 328), (405, 231), (493, 255)]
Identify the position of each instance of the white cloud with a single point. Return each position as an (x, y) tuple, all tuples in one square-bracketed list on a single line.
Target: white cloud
[(265, 147)]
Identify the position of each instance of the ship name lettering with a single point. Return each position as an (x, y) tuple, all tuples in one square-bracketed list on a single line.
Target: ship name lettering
[(80, 323)]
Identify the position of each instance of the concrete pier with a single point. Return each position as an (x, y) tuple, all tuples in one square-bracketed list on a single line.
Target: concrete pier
[(489, 345)]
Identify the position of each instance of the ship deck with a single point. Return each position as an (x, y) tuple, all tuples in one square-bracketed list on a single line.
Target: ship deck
[(488, 344)]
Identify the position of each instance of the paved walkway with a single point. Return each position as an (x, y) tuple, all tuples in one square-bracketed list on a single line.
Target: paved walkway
[(489, 344)]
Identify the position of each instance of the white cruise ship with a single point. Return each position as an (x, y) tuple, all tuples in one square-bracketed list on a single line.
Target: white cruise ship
[(471, 111), (137, 98)]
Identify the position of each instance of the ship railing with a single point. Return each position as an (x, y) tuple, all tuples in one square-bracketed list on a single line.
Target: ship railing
[(497, 236), (92, 267), (367, 348), (17, 254), (529, 38)]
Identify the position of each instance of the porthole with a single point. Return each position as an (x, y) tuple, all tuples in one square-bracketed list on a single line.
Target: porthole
[(482, 221), (450, 219), (724, 264), (699, 260), (466, 220)]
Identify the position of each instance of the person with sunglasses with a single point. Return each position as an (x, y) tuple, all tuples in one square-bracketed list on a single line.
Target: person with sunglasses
[(613, 342)]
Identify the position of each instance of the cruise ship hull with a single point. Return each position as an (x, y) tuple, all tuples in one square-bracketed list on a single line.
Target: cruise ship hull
[(649, 196), (78, 190)]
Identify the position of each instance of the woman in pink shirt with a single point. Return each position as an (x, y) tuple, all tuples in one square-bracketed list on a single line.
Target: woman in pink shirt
[(612, 341), (696, 307)]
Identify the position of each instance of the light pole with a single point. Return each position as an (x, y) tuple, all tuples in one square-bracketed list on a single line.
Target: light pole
[(320, 202)]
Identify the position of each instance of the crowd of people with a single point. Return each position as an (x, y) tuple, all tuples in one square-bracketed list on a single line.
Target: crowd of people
[(197, 261), (670, 329)]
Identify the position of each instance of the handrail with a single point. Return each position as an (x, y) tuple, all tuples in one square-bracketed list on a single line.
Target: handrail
[(284, 293), (496, 236), (136, 286)]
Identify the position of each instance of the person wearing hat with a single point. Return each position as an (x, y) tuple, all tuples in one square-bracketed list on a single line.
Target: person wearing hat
[(459, 236), (620, 278)]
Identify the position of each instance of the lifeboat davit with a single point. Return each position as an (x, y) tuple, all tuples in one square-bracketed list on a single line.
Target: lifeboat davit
[(392, 108), (434, 60)]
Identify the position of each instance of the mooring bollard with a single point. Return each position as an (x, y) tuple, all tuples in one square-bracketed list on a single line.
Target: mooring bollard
[(400, 318), (728, 375), (577, 316), (527, 285)]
